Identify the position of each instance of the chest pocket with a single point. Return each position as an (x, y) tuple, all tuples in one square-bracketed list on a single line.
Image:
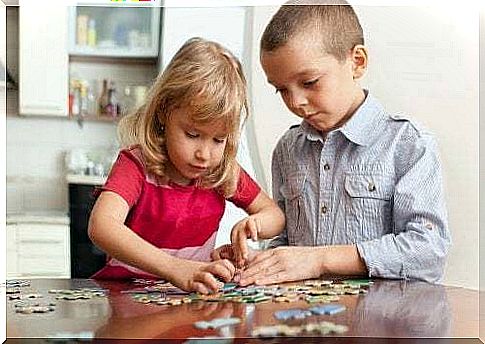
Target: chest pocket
[(293, 193), (368, 205)]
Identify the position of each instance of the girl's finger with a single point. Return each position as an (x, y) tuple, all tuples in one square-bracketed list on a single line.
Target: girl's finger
[(252, 228), (209, 281), (200, 288)]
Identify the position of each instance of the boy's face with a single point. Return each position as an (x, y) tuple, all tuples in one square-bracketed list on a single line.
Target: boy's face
[(193, 149), (313, 84)]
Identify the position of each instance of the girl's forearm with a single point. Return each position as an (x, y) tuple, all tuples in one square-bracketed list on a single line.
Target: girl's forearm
[(272, 222), (120, 242)]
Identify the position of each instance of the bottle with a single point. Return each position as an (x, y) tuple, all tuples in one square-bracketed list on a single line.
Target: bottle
[(92, 33), (82, 30), (91, 99), (83, 99), (112, 107), (103, 99)]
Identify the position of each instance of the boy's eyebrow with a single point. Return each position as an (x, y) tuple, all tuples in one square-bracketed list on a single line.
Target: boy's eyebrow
[(300, 74)]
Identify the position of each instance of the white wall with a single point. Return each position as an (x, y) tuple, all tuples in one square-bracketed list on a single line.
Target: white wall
[(36, 176), (423, 62)]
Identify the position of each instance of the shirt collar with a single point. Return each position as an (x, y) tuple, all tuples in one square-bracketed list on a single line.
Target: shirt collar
[(360, 128)]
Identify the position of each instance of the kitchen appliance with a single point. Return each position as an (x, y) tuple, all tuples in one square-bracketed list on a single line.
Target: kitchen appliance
[(86, 258)]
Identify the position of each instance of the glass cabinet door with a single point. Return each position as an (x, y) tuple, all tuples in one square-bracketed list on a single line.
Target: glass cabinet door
[(114, 31)]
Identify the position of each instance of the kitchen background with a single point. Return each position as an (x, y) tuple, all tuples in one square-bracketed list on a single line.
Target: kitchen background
[(423, 61)]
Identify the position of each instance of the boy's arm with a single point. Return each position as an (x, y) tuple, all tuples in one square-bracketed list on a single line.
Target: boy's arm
[(419, 245), (294, 263), (277, 181)]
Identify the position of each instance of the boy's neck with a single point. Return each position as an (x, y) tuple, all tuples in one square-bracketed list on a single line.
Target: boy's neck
[(357, 102)]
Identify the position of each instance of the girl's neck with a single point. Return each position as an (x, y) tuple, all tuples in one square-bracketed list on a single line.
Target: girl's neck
[(173, 176)]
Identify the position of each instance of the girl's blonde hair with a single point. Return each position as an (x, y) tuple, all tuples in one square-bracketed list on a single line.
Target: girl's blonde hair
[(208, 79)]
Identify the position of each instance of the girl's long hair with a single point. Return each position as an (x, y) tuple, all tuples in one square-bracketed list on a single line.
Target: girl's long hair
[(208, 79)]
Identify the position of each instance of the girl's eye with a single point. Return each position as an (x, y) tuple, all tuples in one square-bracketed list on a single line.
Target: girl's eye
[(310, 83), (216, 140), (191, 135), (279, 90)]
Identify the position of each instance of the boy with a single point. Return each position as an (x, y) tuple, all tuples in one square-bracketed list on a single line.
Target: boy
[(361, 189)]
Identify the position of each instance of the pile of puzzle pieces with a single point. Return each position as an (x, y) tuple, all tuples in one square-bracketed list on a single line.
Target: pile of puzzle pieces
[(28, 303), (312, 291)]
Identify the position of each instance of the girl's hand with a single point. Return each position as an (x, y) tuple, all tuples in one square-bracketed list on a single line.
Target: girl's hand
[(250, 227), (201, 277)]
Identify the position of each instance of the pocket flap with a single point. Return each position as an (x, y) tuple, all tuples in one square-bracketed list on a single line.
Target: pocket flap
[(294, 186), (369, 186)]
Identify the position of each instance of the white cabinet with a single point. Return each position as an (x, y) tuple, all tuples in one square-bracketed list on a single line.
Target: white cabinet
[(115, 31), (38, 250), (43, 59)]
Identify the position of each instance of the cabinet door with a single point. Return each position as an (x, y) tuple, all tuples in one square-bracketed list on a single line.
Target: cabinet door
[(43, 59), (43, 250)]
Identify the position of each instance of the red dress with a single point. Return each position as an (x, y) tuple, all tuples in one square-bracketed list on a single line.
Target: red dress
[(181, 220)]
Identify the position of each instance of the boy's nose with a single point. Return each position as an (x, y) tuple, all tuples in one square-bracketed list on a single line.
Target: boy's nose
[(298, 100)]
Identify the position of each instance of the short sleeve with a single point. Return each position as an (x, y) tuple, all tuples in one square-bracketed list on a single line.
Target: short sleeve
[(125, 178), (247, 190)]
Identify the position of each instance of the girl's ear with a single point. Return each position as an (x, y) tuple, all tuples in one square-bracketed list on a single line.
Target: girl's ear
[(359, 61)]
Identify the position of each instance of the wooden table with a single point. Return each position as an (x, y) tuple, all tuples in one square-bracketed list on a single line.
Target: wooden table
[(390, 309)]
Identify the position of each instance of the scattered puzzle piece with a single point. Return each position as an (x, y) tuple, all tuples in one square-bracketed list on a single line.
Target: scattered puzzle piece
[(216, 323)]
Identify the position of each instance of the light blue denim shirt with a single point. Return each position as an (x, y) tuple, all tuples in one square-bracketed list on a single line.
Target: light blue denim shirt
[(375, 182)]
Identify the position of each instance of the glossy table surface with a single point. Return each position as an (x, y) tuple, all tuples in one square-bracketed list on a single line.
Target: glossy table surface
[(390, 309)]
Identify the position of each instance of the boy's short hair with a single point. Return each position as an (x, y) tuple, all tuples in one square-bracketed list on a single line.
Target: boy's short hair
[(336, 21)]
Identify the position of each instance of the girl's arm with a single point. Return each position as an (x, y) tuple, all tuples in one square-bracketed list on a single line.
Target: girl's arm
[(108, 231), (266, 220)]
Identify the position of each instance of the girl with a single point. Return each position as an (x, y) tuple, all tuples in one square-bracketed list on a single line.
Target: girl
[(159, 211)]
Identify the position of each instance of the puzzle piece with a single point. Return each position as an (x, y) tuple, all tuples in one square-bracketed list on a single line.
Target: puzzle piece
[(294, 313), (216, 323), (327, 309)]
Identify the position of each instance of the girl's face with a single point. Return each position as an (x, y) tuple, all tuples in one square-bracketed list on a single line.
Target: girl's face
[(314, 85), (193, 149)]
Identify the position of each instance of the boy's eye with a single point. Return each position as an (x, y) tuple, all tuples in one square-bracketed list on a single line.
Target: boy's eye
[(191, 135), (310, 83)]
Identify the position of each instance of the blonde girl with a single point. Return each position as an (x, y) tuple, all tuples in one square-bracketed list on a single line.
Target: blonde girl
[(159, 211)]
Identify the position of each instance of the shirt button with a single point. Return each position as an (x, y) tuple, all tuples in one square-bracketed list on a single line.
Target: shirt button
[(324, 209), (371, 187), (326, 167), (429, 226)]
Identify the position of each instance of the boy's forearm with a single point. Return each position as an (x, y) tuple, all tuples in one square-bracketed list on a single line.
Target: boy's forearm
[(341, 260)]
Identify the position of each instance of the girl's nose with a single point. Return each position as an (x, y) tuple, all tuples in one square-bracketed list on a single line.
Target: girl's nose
[(202, 152)]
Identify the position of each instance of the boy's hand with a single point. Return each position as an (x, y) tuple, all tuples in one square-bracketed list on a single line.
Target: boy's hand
[(201, 277), (249, 227)]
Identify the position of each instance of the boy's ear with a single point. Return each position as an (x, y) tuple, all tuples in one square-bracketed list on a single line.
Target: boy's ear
[(359, 60)]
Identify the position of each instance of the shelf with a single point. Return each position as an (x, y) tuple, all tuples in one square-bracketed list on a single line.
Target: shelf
[(119, 53), (95, 118)]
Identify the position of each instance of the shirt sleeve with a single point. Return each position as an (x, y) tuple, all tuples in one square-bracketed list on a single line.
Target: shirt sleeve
[(125, 178), (277, 180), (418, 246), (246, 192)]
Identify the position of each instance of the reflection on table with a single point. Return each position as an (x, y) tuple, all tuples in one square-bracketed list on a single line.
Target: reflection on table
[(390, 309)]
